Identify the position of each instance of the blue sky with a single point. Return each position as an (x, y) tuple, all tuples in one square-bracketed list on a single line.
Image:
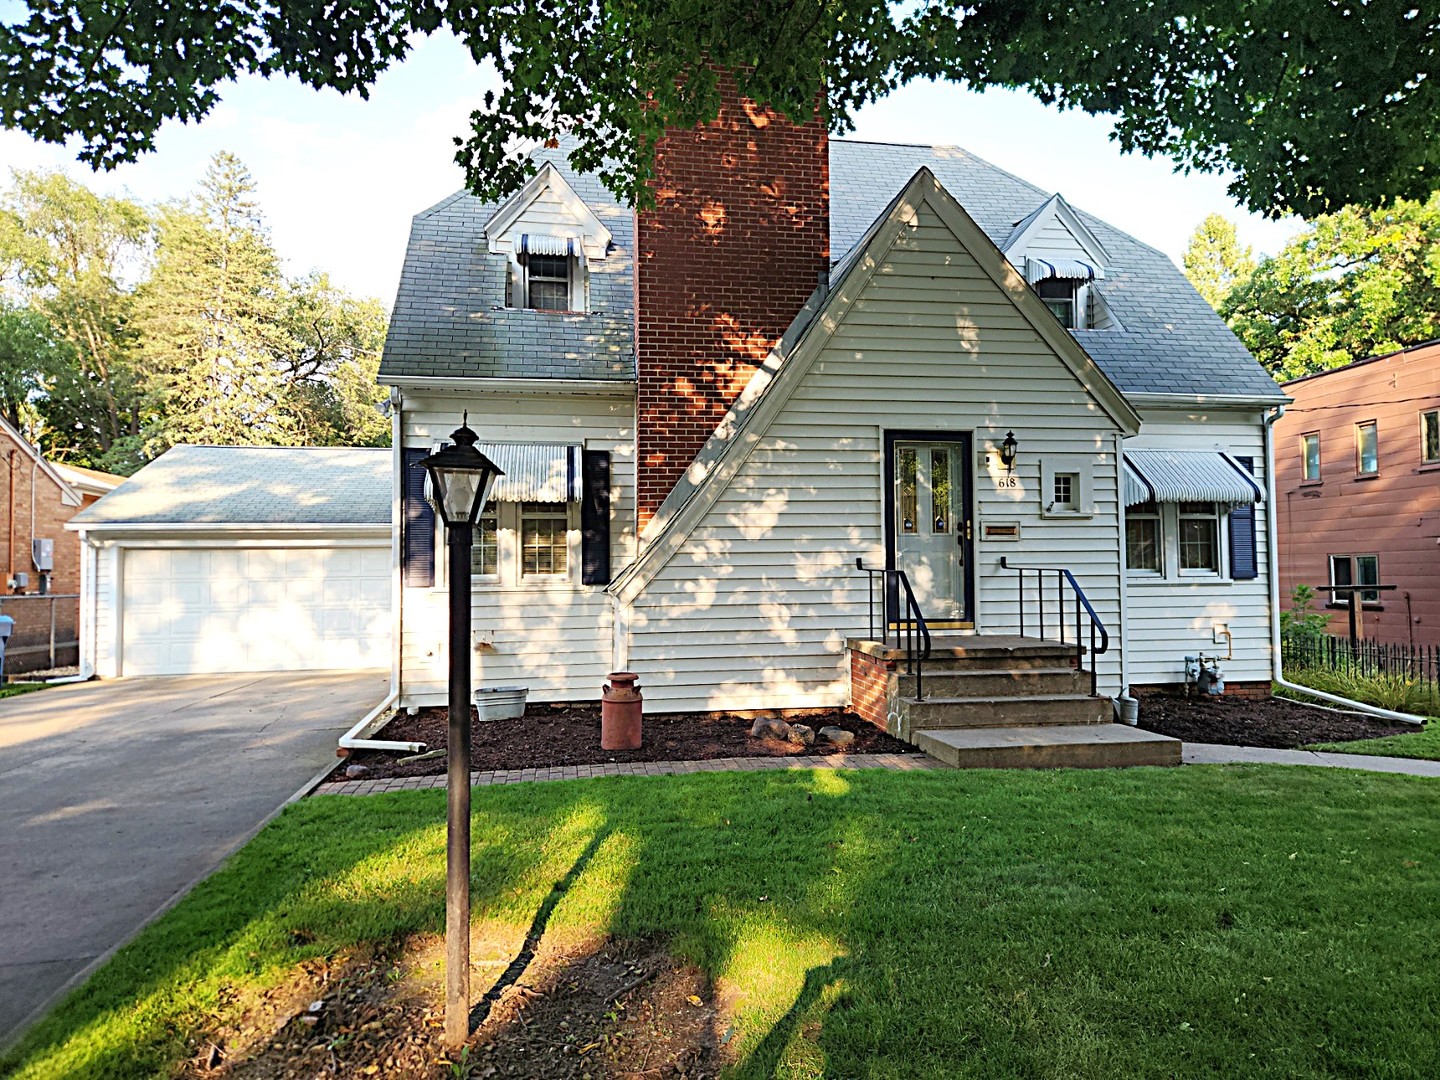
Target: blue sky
[(340, 177)]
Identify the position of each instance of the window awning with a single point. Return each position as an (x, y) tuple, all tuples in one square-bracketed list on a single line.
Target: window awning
[(541, 244), (535, 472), (1188, 476), (1064, 269)]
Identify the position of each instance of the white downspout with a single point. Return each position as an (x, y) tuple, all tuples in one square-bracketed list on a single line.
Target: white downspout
[(397, 514), (1273, 565), (86, 630), (1124, 567)]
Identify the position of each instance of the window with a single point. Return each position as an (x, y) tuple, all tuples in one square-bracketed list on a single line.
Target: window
[(547, 282), (940, 494), (909, 504), (1310, 456), (485, 552), (544, 539), (1059, 297), (1142, 538), (1367, 449), (1199, 538), (1355, 570), (1065, 491), (1430, 436)]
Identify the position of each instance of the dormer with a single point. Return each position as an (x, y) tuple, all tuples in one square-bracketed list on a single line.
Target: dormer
[(550, 237), (1061, 259)]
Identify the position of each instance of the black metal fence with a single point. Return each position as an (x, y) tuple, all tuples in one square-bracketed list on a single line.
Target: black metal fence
[(1325, 652)]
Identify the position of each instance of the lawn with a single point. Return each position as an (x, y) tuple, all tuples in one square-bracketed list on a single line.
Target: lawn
[(11, 689), (1423, 743), (1255, 921)]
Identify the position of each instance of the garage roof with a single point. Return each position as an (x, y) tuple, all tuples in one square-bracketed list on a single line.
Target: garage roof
[(251, 485)]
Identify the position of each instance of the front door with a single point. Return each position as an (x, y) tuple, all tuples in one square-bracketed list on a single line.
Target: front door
[(931, 524)]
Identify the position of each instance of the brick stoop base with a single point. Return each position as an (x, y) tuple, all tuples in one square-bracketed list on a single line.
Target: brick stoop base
[(1250, 691)]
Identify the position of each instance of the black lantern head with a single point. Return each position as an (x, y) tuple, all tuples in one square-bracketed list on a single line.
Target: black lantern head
[(1007, 450), (461, 477)]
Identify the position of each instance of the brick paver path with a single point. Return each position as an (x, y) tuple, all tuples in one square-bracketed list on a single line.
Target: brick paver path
[(897, 762)]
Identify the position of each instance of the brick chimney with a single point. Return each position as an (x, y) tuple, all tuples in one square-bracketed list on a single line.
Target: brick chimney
[(727, 258)]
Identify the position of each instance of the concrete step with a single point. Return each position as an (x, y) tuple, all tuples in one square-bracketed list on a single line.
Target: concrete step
[(994, 712), (1093, 746), (978, 652), (998, 682)]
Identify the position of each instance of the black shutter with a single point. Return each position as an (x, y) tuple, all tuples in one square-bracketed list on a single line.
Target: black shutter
[(1244, 565), (417, 541), (595, 518)]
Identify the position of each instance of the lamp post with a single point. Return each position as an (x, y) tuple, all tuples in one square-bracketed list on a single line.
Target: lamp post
[(460, 479)]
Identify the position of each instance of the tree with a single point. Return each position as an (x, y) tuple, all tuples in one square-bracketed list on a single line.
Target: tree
[(1216, 260), (72, 253), (1312, 105), (1356, 283), (32, 356), (209, 320)]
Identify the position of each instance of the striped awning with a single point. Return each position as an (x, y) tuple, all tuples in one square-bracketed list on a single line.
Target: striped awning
[(1188, 476), (541, 244), (1064, 269), (535, 472)]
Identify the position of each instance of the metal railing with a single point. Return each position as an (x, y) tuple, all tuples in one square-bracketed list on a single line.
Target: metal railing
[(45, 630), (910, 626), (1099, 637)]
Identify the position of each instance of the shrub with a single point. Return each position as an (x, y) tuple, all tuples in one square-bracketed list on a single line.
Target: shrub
[(1398, 693)]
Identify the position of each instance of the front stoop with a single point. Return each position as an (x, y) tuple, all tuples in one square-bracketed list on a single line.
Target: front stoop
[(1071, 746), (999, 702)]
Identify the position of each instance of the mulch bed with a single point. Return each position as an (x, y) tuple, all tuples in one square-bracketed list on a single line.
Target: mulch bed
[(551, 735), (1274, 723)]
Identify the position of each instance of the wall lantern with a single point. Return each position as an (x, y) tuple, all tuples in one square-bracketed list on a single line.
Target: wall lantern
[(461, 478), (1008, 449)]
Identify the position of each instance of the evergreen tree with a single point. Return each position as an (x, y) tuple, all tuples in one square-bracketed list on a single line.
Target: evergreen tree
[(1216, 260)]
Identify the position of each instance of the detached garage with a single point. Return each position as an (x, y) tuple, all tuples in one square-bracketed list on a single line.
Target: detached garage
[(240, 558)]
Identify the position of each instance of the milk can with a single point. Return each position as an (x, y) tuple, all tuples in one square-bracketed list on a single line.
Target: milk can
[(620, 709)]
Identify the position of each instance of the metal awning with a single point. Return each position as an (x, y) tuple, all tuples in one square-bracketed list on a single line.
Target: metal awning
[(1064, 269), (534, 472), (1188, 476), (541, 244)]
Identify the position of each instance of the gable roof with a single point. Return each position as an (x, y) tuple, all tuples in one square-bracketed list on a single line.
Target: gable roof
[(251, 485), (1054, 208), (450, 318), (68, 495), (590, 228), (88, 481), (747, 420)]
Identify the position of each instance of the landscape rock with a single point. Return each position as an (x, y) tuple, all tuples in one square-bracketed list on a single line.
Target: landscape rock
[(356, 772), (802, 735), (836, 736), (770, 729)]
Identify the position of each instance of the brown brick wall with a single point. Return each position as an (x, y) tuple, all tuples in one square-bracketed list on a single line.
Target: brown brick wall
[(1252, 691), (728, 256), (29, 646), (869, 688)]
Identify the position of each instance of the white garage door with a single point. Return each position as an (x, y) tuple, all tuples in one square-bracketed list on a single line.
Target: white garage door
[(202, 610)]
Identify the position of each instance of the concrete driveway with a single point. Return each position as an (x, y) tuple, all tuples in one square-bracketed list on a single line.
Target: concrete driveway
[(114, 796)]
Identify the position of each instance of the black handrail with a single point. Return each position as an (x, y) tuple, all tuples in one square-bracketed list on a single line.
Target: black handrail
[(910, 626), (1099, 637)]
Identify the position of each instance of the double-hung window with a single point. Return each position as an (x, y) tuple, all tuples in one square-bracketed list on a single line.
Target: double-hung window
[(1355, 570), (1144, 553), (1310, 456), (1059, 296), (544, 539), (1367, 448), (547, 282), (1430, 437), (485, 551), (1199, 526)]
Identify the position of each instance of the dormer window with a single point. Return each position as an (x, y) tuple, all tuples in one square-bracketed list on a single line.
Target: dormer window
[(547, 282), (1059, 297)]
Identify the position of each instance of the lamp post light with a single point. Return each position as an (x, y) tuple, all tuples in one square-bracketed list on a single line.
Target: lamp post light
[(460, 479)]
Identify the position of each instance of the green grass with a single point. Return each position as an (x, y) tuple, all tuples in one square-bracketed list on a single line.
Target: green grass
[(1423, 743), (1223, 921), (11, 689)]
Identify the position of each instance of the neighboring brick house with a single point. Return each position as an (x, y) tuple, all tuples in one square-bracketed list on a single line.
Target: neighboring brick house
[(41, 593), (1357, 473)]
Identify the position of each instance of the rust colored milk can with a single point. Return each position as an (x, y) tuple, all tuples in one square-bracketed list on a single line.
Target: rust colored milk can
[(620, 709)]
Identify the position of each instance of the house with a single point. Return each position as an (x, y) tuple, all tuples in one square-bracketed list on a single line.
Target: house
[(42, 563), (1357, 479), (239, 558), (812, 351)]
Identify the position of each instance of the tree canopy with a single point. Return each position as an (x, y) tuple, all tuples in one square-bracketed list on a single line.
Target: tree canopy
[(1313, 104), (1216, 260), (1359, 282)]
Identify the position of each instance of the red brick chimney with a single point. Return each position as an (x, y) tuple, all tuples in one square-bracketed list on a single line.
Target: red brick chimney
[(734, 247)]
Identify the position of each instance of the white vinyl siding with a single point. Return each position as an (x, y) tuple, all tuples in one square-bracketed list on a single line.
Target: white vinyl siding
[(554, 636), (754, 609), (1172, 617)]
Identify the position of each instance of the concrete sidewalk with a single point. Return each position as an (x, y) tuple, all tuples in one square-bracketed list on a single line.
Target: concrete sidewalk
[(116, 796), (1216, 754)]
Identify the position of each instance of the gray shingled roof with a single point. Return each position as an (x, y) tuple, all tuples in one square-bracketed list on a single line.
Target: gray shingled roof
[(450, 317), (251, 485)]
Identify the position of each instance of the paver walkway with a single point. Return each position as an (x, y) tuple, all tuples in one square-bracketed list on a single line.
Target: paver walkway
[(898, 762), (1215, 754)]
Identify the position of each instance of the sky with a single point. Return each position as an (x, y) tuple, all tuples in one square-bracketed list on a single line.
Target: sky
[(339, 177)]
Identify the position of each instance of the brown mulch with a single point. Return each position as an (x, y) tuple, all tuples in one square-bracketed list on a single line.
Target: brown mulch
[(1274, 723), (553, 735), (602, 1010)]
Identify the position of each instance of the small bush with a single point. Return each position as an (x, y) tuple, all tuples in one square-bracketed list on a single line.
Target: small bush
[(1397, 693)]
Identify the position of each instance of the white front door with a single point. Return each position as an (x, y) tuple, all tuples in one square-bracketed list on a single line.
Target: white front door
[(931, 525)]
